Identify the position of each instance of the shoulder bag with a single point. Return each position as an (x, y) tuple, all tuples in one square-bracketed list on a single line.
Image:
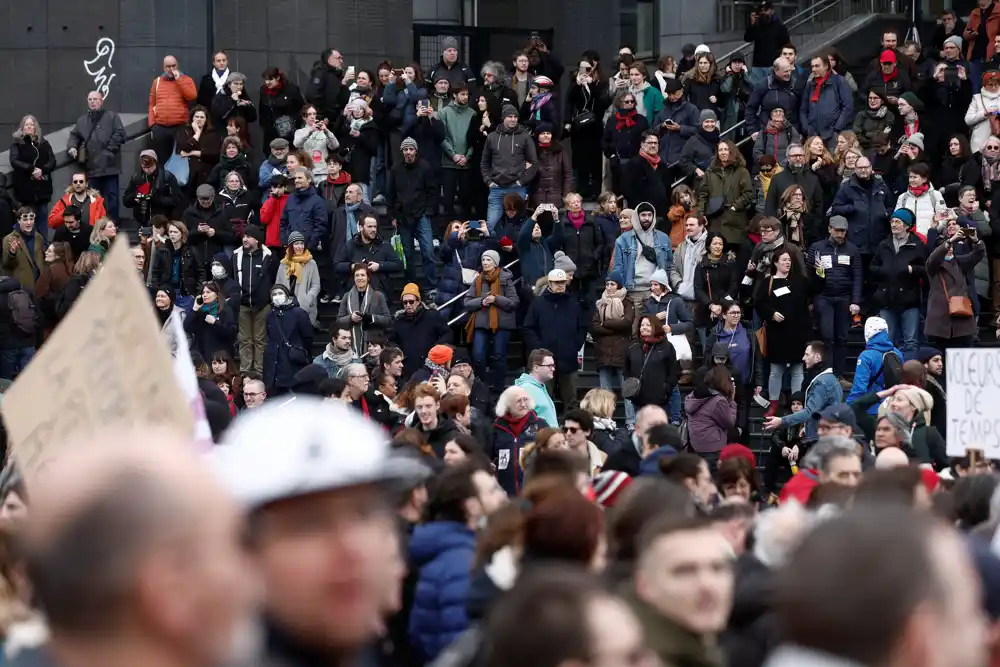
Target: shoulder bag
[(958, 306), (468, 275), (630, 386), (296, 353), (761, 333)]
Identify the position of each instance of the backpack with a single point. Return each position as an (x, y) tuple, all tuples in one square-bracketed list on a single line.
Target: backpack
[(891, 371), (22, 311)]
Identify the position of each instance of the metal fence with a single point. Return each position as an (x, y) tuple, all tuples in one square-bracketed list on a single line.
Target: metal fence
[(476, 45)]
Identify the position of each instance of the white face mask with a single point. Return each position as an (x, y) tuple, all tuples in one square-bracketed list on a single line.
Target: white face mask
[(218, 272), (278, 299)]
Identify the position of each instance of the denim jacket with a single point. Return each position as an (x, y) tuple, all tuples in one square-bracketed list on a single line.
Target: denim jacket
[(822, 392), (627, 249)]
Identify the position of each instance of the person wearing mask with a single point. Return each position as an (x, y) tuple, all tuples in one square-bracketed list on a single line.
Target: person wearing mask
[(289, 339), (221, 273), (863, 200), (368, 248), (87, 201), (651, 367), (796, 172), (677, 122), (298, 272), (252, 264), (211, 230), (838, 268), (979, 37), (362, 310), (210, 324), (304, 212), (175, 264), (412, 199), (647, 177), (556, 321), (875, 368), (780, 88), (948, 268), (555, 170), (623, 135), (153, 191), (491, 302), (24, 250), (726, 194), (700, 149), (508, 163), (73, 232), (611, 329), (640, 252)]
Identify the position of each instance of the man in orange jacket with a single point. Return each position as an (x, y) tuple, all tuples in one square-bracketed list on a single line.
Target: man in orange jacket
[(169, 97), (79, 194)]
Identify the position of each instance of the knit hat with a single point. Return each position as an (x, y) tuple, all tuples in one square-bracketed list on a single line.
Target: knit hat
[(954, 39), (255, 232), (412, 290), (609, 487), (449, 43), (557, 276), (231, 141), (561, 261), (508, 110), (408, 142), (738, 451), (204, 191), (918, 398), (873, 325), (991, 76), (660, 276), (687, 50), (493, 256), (707, 114), (913, 101), (905, 216), (915, 139), (673, 85), (296, 236), (544, 126), (278, 144), (616, 276), (440, 75), (440, 355), (459, 356), (927, 353), (888, 56), (151, 154)]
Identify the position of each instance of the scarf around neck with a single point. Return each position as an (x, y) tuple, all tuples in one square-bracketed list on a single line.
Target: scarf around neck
[(920, 190), (653, 160), (220, 80), (339, 359), (611, 305), (878, 113), (540, 100), (650, 341), (352, 220), (492, 279), (625, 119), (814, 97), (294, 263), (991, 172), (576, 219)]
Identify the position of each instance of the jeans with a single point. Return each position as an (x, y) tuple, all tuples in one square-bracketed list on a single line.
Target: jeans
[(976, 70), (674, 410), (380, 168), (498, 360), (424, 234), (904, 330), (14, 360), (162, 139), (494, 205), (108, 187), (365, 192), (834, 325), (612, 378), (776, 376)]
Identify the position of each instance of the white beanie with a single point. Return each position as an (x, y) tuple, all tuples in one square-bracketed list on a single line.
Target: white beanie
[(873, 325)]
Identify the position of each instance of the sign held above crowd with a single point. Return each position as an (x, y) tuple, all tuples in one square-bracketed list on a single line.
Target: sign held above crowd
[(974, 401), (105, 365)]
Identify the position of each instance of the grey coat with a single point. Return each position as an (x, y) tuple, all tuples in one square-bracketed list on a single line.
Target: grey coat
[(939, 323), (306, 290), (506, 302), (103, 141), (374, 315)]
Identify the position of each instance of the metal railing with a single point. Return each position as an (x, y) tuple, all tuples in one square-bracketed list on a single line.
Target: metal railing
[(462, 295)]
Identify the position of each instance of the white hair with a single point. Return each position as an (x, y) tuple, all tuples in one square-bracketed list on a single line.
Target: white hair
[(779, 531), (503, 403), (353, 367)]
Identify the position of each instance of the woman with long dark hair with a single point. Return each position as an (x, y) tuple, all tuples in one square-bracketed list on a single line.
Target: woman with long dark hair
[(651, 368), (279, 105), (958, 167), (585, 108), (200, 144)]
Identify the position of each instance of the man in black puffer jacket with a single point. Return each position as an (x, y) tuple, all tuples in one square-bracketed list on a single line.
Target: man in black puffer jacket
[(416, 329), (209, 229), (556, 322), (326, 90), (839, 262), (412, 198)]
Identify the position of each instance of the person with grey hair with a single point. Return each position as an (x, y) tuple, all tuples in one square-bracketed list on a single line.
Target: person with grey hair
[(836, 459), (305, 212), (893, 430), (796, 172), (233, 102), (355, 374), (516, 425), (497, 92)]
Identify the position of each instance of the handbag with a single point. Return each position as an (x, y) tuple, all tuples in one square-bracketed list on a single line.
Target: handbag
[(179, 166), (958, 306), (715, 204), (468, 275), (682, 347), (761, 334), (81, 151), (630, 386), (296, 353), (583, 119)]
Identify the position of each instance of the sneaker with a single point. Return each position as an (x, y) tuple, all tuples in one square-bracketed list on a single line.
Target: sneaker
[(379, 200), (437, 243), (336, 299), (324, 298), (416, 245)]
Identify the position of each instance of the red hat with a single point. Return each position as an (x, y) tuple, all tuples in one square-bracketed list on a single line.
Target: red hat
[(738, 451), (888, 56), (930, 479), (609, 486)]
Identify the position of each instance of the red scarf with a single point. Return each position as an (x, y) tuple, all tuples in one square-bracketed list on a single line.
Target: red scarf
[(364, 407), (517, 426), (653, 160), (342, 178), (576, 219), (909, 129), (920, 190), (625, 120), (819, 84), (886, 78), (649, 341), (273, 92)]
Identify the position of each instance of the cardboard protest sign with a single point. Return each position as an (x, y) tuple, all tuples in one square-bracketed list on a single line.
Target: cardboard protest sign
[(105, 365), (974, 401)]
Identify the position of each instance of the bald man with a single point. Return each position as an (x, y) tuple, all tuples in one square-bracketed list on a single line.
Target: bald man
[(169, 96), (891, 457), (134, 552), (629, 459)]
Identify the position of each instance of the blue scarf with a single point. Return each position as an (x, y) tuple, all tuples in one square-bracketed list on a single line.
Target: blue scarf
[(739, 348), (352, 221)]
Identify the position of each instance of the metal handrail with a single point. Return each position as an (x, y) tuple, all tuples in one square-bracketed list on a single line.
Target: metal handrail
[(462, 294), (810, 10), (743, 141)]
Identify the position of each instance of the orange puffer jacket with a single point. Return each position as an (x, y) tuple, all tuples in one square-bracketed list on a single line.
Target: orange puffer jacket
[(169, 99)]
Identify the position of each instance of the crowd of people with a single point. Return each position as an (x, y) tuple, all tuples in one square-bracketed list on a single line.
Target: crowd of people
[(709, 234)]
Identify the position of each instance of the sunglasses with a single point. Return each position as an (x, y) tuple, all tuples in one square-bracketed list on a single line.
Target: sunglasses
[(28, 216), (628, 101), (79, 182), (767, 170), (409, 302), (571, 429), (992, 148)]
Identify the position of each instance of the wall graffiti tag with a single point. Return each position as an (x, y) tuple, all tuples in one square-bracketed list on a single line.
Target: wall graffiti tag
[(99, 66)]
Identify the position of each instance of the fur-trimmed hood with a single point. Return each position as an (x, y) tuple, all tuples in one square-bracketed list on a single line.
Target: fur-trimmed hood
[(91, 192)]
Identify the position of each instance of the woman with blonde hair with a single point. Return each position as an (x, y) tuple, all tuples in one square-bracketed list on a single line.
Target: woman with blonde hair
[(545, 439), (102, 236), (298, 272), (797, 225), (600, 404), (702, 86), (33, 161), (821, 162)]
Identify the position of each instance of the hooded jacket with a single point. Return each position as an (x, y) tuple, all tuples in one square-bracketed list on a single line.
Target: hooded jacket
[(505, 154), (305, 212), (92, 207), (710, 418), (868, 373), (289, 340), (456, 119), (545, 407), (772, 94)]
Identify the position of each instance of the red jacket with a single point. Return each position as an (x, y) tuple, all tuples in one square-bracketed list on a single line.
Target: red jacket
[(270, 215), (97, 210), (799, 487)]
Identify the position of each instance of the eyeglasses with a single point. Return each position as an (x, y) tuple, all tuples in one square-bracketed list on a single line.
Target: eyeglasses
[(766, 170), (651, 143), (409, 302), (252, 394), (550, 365), (992, 148), (355, 377), (798, 155), (28, 216), (76, 182)]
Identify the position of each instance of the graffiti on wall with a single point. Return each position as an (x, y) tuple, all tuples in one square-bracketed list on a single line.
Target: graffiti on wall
[(99, 67)]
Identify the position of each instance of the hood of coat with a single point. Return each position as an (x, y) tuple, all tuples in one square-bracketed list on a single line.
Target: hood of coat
[(91, 193), (693, 404), (430, 540), (880, 342)]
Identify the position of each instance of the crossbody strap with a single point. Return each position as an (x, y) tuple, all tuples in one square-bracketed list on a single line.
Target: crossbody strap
[(943, 286)]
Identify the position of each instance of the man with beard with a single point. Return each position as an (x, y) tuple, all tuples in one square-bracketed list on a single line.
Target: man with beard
[(72, 231), (456, 152), (863, 200), (327, 90), (796, 172), (497, 93), (641, 251), (367, 247), (412, 198), (97, 140), (78, 194), (822, 391), (345, 224), (646, 177), (417, 329)]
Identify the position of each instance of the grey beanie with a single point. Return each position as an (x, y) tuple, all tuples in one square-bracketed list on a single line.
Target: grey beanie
[(707, 114), (954, 39), (561, 261), (296, 236), (508, 110), (492, 255), (449, 43), (408, 142), (916, 139)]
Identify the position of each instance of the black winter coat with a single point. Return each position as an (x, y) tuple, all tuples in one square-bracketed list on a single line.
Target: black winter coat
[(416, 334), (7, 209), (714, 283), (356, 251), (240, 210), (699, 92), (359, 150), (698, 152), (585, 246), (867, 207), (557, 323), (326, 90), (285, 104), (412, 191), (897, 288), (841, 280), (641, 183), (623, 144), (224, 108), (805, 178), (191, 274), (289, 345), (25, 156), (953, 173), (240, 164), (164, 198), (768, 38), (659, 376), (206, 247), (207, 339)]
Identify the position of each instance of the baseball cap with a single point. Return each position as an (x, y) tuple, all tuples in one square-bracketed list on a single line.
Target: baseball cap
[(325, 446), (557, 275), (840, 413)]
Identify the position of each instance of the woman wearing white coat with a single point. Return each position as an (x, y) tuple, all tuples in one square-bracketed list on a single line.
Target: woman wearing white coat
[(317, 140), (921, 198), (983, 116)]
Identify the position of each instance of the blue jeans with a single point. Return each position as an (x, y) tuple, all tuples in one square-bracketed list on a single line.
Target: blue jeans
[(674, 406), (14, 360), (612, 378), (424, 234), (777, 376), (108, 187), (759, 74), (380, 169), (494, 205), (498, 360), (904, 330), (976, 70)]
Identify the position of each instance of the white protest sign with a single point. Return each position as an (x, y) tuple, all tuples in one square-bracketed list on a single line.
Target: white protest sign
[(974, 401)]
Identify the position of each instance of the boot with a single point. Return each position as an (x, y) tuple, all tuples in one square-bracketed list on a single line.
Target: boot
[(771, 410)]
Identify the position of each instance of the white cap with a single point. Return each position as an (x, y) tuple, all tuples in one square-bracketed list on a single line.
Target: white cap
[(702, 48), (558, 275), (286, 449)]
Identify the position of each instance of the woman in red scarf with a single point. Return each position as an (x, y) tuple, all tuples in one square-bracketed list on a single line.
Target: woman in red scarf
[(652, 363), (279, 107), (623, 134)]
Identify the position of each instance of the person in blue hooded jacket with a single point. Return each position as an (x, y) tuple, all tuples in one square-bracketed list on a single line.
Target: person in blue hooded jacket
[(442, 551), (869, 374)]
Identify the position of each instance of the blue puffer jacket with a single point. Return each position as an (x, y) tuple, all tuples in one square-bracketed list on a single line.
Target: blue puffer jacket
[(456, 255), (442, 552), (866, 376), (771, 94), (506, 450), (536, 256), (832, 113), (305, 212), (867, 211), (843, 268)]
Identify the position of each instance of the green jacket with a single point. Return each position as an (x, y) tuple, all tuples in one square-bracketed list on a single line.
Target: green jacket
[(675, 646), (456, 121)]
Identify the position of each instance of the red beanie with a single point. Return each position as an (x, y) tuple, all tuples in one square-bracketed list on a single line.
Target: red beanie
[(738, 451)]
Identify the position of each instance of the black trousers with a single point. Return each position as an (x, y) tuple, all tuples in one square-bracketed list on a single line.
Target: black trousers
[(162, 139), (459, 180)]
